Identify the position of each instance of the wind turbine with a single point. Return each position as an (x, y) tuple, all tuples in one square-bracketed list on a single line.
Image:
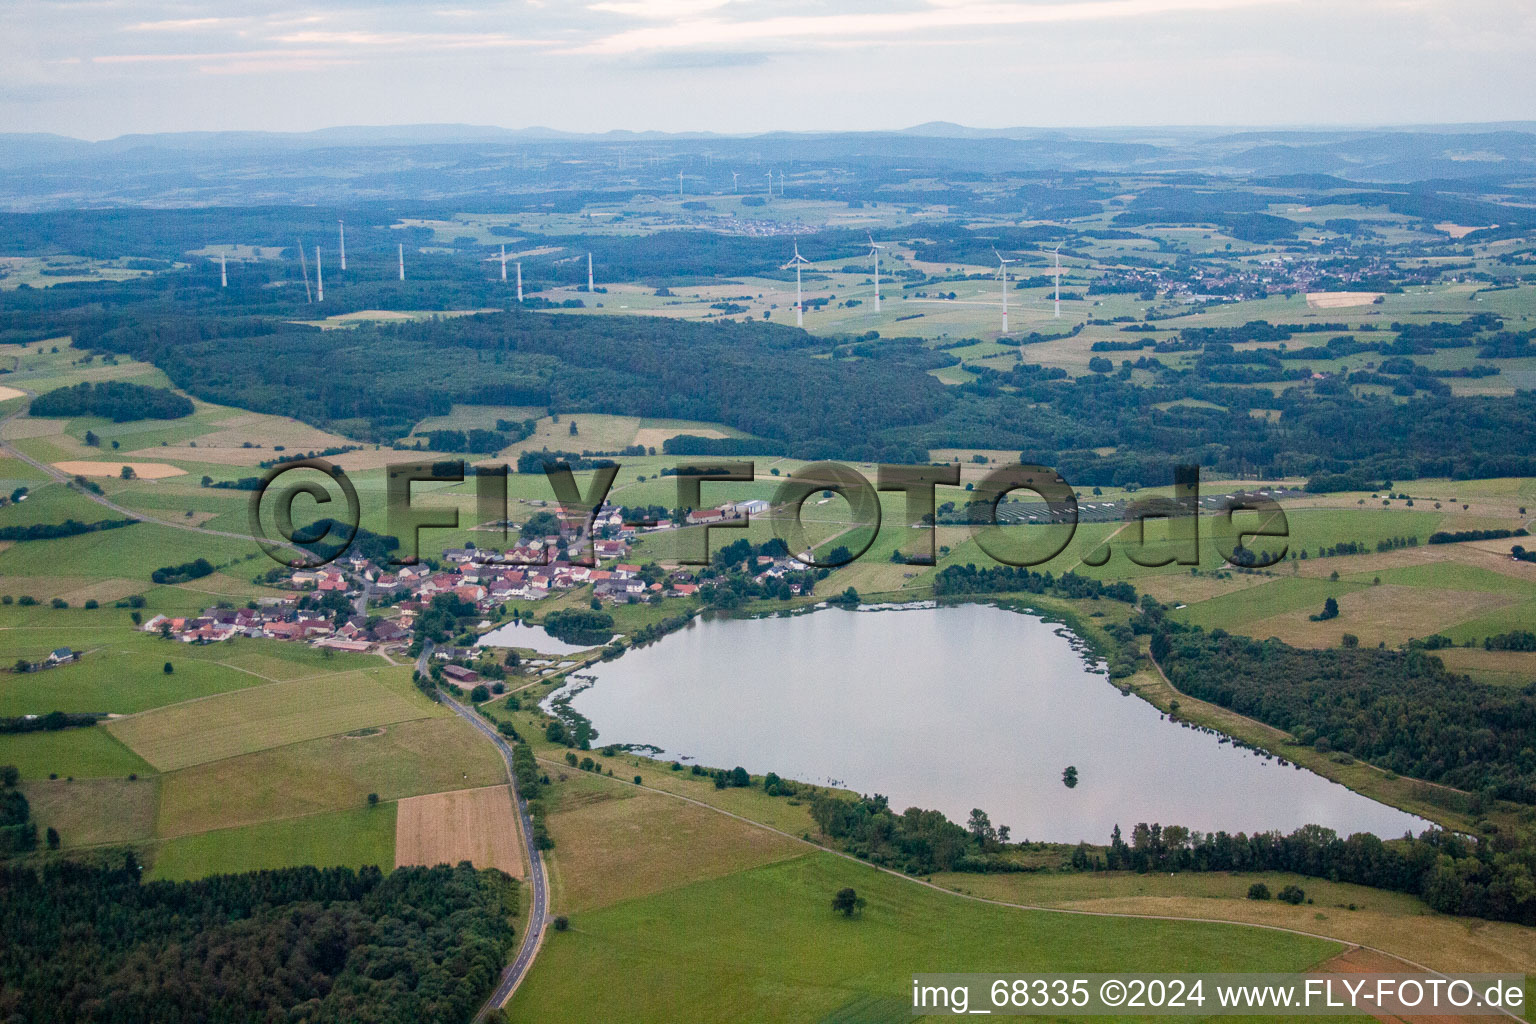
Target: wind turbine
[(734, 176), (304, 266), (770, 184), (519, 281), (679, 184), (319, 277), (874, 250), (223, 272), (589, 273), (797, 262), (1002, 272), (1057, 251), (343, 226), (400, 252), (781, 184), (502, 258)]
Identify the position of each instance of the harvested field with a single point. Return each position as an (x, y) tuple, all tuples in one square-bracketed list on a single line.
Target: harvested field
[(476, 825), (1365, 961), (1460, 230), (32, 426), (260, 717), (142, 470), (617, 849), (1385, 614), (9, 393), (333, 773), (1340, 300), (655, 437)]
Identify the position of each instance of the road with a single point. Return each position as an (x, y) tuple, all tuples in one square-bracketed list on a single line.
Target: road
[(533, 937), (101, 499)]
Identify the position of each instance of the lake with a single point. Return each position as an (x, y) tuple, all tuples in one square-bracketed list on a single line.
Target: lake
[(521, 634), (952, 708)]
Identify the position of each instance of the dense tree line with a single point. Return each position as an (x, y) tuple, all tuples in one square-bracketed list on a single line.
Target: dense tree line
[(916, 841), (1399, 710), (1515, 640), (475, 439), (1461, 536), (18, 832), (118, 401), (968, 579), (579, 626), (52, 531), (183, 573), (94, 944), (51, 722), (1452, 873), (368, 382)]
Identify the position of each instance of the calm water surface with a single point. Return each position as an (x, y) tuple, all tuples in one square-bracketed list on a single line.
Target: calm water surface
[(520, 634), (952, 708)]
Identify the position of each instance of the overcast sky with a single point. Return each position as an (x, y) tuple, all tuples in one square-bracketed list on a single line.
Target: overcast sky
[(101, 68)]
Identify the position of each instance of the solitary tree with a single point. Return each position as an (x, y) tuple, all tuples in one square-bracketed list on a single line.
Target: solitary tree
[(373, 799), (53, 838), (169, 668), (847, 902), (980, 825)]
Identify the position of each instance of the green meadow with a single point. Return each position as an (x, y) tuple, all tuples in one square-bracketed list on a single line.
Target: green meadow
[(765, 943)]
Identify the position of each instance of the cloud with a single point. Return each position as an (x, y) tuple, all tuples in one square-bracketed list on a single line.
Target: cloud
[(675, 60), (703, 33), (178, 25), (658, 9)]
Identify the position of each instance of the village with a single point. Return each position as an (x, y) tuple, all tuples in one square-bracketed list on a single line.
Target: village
[(355, 604)]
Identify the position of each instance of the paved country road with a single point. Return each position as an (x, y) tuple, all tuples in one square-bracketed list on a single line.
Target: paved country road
[(533, 938), (62, 477)]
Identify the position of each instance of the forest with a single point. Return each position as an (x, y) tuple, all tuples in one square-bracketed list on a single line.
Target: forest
[(802, 395), (118, 401), (1399, 710), (87, 943)]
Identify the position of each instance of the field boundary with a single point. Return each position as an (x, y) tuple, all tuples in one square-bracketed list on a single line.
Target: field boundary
[(1345, 943)]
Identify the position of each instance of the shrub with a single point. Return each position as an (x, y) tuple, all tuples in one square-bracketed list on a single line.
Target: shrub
[(1258, 891), (1293, 895)]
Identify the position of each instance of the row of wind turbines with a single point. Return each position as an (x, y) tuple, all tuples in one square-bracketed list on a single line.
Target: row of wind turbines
[(797, 261), (1002, 274), (318, 294)]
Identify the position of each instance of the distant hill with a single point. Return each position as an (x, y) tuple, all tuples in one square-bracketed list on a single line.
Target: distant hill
[(343, 164)]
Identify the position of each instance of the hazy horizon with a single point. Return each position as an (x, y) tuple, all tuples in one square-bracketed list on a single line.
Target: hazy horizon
[(103, 68), (533, 131)]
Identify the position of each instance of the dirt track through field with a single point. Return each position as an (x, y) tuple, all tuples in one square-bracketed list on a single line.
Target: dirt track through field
[(476, 825)]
